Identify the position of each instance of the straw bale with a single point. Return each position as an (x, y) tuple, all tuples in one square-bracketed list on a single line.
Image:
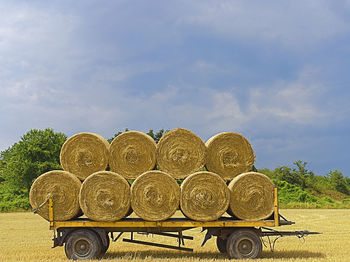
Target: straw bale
[(204, 196), (105, 196), (180, 153), (132, 153), (84, 154), (229, 154), (155, 196), (63, 188), (252, 196)]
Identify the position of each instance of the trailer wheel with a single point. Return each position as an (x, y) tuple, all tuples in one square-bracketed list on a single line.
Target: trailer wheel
[(221, 244), (104, 248), (83, 244), (244, 243)]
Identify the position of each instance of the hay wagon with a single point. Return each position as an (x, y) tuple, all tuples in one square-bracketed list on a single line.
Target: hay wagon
[(86, 239)]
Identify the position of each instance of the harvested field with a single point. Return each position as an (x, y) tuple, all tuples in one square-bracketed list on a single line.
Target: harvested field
[(25, 237)]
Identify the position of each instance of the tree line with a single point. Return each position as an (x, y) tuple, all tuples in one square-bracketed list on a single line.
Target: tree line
[(38, 151)]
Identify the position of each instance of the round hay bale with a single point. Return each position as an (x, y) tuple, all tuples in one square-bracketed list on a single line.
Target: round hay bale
[(252, 196), (105, 196), (132, 153), (204, 196), (84, 154), (155, 196), (180, 153), (229, 154), (63, 188)]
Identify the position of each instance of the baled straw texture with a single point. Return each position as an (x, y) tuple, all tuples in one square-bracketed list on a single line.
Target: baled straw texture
[(155, 196), (252, 196), (105, 196), (84, 154), (229, 154), (63, 188), (204, 196), (180, 153), (132, 153)]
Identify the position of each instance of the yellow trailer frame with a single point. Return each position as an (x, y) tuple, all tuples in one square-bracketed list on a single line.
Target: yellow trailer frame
[(84, 238)]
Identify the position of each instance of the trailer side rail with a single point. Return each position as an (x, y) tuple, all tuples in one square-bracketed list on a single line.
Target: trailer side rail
[(129, 223)]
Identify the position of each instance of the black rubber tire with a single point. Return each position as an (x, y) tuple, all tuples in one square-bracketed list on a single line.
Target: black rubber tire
[(244, 243), (105, 248), (221, 244), (83, 244)]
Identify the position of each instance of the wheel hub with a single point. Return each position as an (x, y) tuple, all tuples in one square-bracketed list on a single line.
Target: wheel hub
[(82, 247), (245, 247)]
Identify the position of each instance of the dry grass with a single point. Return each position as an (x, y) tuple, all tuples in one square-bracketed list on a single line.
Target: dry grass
[(25, 237)]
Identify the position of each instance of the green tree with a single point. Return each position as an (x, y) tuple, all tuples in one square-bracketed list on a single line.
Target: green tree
[(301, 169), (338, 182), (117, 134), (37, 152), (306, 175), (254, 169), (347, 180), (289, 175), (156, 136)]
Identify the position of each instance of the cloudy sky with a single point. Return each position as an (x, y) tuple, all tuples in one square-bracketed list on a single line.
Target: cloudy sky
[(277, 72)]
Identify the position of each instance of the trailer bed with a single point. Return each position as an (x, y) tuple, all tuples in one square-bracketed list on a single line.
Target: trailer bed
[(85, 239), (169, 223)]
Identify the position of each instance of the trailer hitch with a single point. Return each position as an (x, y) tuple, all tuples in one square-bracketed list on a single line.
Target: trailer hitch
[(278, 234)]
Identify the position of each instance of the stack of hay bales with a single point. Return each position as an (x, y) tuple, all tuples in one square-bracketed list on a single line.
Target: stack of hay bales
[(105, 196), (132, 153), (229, 154), (252, 196), (84, 154), (63, 188), (204, 196), (215, 177), (180, 153), (155, 196)]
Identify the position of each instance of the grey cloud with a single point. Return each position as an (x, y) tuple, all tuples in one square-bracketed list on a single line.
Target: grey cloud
[(294, 24)]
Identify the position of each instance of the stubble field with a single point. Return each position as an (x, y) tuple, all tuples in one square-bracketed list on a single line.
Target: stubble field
[(26, 237)]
